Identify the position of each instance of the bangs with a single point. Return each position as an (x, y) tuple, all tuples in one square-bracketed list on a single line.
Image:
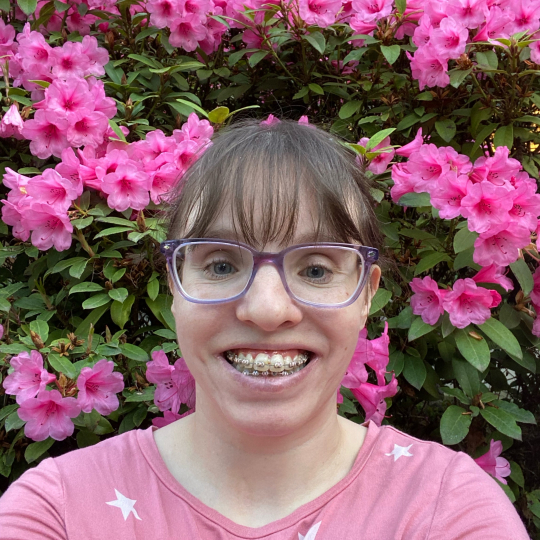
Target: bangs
[(261, 175)]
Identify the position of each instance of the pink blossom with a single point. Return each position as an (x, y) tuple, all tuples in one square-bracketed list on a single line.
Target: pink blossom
[(11, 124), (500, 245), (304, 121), (378, 355), (527, 14), (447, 195), (169, 417), (379, 163), (98, 387), (458, 162), (28, 376), (53, 189), (356, 373), (69, 60), (413, 146), (319, 12), (17, 183), (47, 131), (536, 327), (467, 303), (101, 102), (1, 331), (75, 22), (535, 293), (67, 97), (49, 415), (427, 164), (486, 205), (187, 32), (422, 33), (494, 274), (162, 12), (175, 384), (404, 181), (436, 11), (372, 10), (427, 300), (155, 144), (12, 214), (526, 205), (270, 121), (98, 56), (429, 68), (450, 39), (194, 129), (498, 25), (496, 169), (49, 226), (69, 169), (497, 466), (163, 179), (87, 128), (362, 27), (470, 13), (7, 35), (127, 187), (535, 51), (371, 398), (33, 49)]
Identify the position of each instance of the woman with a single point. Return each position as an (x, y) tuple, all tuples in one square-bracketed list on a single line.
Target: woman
[(271, 289)]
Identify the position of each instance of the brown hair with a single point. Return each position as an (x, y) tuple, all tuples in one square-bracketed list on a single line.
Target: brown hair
[(254, 168)]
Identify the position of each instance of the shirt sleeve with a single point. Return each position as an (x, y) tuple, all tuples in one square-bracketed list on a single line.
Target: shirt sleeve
[(472, 506), (33, 506)]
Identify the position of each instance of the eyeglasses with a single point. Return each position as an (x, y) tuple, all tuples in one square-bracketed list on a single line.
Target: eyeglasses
[(213, 271)]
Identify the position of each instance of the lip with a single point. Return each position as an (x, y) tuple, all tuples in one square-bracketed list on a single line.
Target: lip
[(266, 384), (264, 347)]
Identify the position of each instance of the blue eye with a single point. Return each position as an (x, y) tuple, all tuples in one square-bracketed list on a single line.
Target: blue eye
[(222, 269), (315, 272)]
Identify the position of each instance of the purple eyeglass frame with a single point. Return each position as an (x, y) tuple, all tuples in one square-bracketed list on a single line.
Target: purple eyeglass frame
[(169, 248)]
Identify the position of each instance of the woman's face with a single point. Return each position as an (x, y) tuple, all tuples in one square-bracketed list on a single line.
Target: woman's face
[(265, 320)]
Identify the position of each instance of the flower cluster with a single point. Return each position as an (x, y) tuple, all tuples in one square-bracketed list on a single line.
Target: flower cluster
[(175, 385), (47, 412), (372, 353), (127, 175)]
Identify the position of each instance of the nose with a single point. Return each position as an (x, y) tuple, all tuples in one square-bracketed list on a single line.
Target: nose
[(267, 304)]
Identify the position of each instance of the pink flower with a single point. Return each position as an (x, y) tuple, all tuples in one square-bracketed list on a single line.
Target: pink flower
[(162, 12), (494, 274), (69, 169), (53, 189), (98, 56), (379, 163), (427, 300), (404, 181), (470, 13), (194, 129), (163, 180), (69, 60), (175, 384), (535, 293), (411, 147), (49, 227), (47, 131), (270, 121), (497, 466), (304, 121), (448, 194), (319, 12), (429, 68), (371, 398), (1, 331), (422, 33), (67, 97), (498, 25), (496, 169), (49, 415), (378, 355), (536, 327), (98, 387), (450, 39), (28, 377), (526, 205), (187, 32), (87, 128), (535, 51), (486, 205), (466, 303), (11, 124), (127, 187), (12, 215), (359, 26), (372, 10), (527, 13), (169, 417), (458, 162), (500, 245), (427, 164), (102, 103)]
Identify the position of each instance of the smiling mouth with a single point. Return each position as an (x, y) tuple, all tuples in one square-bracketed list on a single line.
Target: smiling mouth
[(268, 363)]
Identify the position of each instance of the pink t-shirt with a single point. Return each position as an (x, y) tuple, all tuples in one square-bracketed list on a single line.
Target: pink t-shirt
[(398, 488)]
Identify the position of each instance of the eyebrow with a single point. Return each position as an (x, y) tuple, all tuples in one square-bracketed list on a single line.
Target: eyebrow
[(306, 238)]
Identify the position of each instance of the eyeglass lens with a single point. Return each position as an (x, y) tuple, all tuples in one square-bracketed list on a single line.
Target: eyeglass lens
[(315, 274)]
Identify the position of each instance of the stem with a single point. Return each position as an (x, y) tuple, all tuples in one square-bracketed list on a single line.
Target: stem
[(84, 243)]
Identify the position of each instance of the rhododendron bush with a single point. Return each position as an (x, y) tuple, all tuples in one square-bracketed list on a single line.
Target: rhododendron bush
[(104, 106)]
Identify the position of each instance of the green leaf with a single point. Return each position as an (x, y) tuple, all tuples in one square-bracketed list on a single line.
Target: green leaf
[(145, 60), (430, 261), (381, 298), (317, 41), (153, 288), (475, 351), (150, 31), (378, 138), (520, 415), (391, 53), (419, 328), (355, 54), (255, 58), (134, 353), (348, 109), (27, 6), (92, 318), (454, 425), (36, 449), (85, 287), (408, 121), (502, 421), (499, 334), (13, 422), (316, 89), (457, 393), (523, 275), (484, 133), (121, 310), (414, 371), (96, 301), (116, 128), (193, 106), (86, 438), (516, 474), (119, 294), (401, 6), (7, 410), (218, 115), (146, 395), (62, 365), (415, 199), (446, 129), (61, 6), (467, 376), (464, 239), (504, 136), (457, 76), (112, 230), (487, 60)]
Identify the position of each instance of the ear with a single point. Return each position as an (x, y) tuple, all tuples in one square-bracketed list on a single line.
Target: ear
[(374, 280)]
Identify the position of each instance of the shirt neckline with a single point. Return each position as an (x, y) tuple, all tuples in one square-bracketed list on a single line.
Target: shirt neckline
[(147, 444)]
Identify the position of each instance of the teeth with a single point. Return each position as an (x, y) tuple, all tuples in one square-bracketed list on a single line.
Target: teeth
[(265, 365)]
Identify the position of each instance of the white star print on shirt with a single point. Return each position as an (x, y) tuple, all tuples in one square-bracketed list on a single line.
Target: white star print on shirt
[(310, 535), (399, 451), (126, 505)]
